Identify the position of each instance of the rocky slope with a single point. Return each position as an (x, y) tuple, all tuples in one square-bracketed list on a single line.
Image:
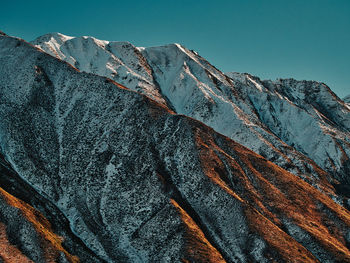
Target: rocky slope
[(34, 235), (301, 126), (124, 178)]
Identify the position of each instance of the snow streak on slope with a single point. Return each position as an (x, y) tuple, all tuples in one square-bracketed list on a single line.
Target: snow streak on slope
[(139, 183)]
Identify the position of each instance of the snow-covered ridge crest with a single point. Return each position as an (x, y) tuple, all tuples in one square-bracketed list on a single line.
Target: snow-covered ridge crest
[(120, 61), (295, 124)]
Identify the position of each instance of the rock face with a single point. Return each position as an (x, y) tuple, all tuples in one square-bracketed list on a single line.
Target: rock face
[(100, 173)]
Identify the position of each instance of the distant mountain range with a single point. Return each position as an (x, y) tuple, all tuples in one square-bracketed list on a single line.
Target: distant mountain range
[(116, 153)]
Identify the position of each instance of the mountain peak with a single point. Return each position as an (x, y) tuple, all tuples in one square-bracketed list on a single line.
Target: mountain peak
[(52, 36)]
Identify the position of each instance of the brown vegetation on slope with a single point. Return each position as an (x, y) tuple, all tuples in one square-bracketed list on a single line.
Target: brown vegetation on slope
[(275, 199), (51, 243)]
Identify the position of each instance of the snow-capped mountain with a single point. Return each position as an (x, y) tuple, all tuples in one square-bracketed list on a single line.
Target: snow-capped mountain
[(93, 171), (120, 61), (299, 125)]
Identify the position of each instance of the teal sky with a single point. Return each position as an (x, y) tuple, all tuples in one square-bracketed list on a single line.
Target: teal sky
[(303, 39)]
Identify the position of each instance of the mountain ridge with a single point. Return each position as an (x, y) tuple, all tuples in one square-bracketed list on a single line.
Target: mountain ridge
[(96, 149), (190, 85)]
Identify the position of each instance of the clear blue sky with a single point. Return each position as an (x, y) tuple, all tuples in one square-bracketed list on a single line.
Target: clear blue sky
[(303, 39)]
